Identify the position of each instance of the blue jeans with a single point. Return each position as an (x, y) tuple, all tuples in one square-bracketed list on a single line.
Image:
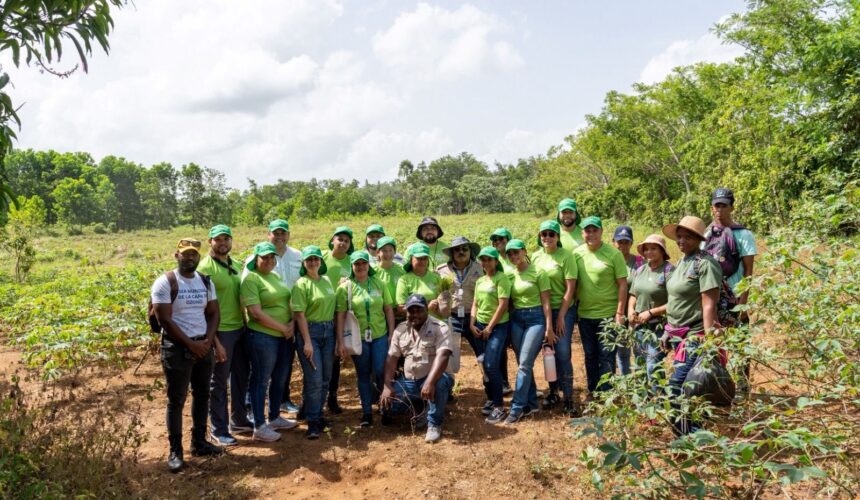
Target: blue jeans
[(683, 425), (624, 359), (599, 357), (493, 349), (528, 327), (291, 356), (268, 373), (370, 369), (233, 372), (563, 363), (648, 352), (407, 395), (317, 379)]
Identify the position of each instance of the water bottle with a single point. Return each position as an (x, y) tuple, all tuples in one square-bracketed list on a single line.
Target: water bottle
[(481, 367), (549, 363)]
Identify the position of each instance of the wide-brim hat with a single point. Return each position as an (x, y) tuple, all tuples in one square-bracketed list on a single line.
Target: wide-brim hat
[(313, 251), (418, 249), (654, 239), (428, 221), (688, 222), (260, 250), (459, 241)]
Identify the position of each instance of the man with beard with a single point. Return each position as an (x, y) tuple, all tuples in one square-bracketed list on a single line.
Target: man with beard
[(429, 231), (231, 359), (186, 308), (569, 218), (371, 236)]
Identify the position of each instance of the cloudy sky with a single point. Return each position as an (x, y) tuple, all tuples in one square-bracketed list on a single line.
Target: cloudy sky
[(295, 89)]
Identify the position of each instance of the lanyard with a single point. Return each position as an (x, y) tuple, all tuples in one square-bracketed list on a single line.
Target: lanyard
[(228, 266), (367, 299)]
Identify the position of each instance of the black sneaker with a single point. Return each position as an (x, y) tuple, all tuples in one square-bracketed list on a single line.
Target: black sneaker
[(530, 411), (366, 420), (175, 463), (550, 400), (571, 409), (334, 407), (488, 408), (496, 416), (514, 417), (205, 448), (313, 431)]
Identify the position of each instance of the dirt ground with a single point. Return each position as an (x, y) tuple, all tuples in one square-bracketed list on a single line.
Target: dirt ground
[(528, 460)]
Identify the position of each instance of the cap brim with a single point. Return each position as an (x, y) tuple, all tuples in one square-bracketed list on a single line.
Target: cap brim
[(727, 201)]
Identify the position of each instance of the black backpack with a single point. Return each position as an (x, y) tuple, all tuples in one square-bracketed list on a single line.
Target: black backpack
[(723, 247), (727, 299), (154, 325)]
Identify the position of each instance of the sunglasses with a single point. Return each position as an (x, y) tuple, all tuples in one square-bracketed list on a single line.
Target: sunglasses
[(547, 234), (189, 243), (461, 249)]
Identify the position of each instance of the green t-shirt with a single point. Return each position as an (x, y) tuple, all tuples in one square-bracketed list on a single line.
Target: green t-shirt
[(507, 267), (572, 239), (559, 267), (271, 294), (336, 268), (596, 285), (315, 298), (368, 300), (649, 287), (488, 292), (693, 276), (411, 283), (227, 290), (390, 276), (527, 286), (437, 256)]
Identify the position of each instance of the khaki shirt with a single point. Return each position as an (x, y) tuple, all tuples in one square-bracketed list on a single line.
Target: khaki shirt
[(420, 348), (462, 293)]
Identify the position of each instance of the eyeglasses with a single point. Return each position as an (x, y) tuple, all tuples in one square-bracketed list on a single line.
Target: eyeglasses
[(461, 249), (547, 234), (189, 243)]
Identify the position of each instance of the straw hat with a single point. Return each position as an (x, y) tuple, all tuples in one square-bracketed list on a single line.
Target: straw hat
[(688, 222), (654, 239)]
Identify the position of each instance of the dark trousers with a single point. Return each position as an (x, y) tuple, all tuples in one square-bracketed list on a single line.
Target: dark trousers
[(180, 370), (334, 383), (291, 356), (236, 370), (599, 357), (683, 424), (461, 326)]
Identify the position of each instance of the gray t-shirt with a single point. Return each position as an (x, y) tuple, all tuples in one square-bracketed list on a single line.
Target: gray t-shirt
[(190, 303)]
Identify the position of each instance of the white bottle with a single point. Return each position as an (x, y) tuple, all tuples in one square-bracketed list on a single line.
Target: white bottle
[(549, 364)]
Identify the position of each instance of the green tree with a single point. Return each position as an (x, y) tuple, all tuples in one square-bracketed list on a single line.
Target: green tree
[(158, 195), (77, 202), (26, 219), (124, 175)]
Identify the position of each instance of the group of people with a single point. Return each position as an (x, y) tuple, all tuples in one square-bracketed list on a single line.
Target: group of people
[(232, 328)]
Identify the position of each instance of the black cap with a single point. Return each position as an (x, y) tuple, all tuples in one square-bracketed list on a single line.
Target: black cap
[(416, 300), (431, 222), (723, 195), (623, 233)]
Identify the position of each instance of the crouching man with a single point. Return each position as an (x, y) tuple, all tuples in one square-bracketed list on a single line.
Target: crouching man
[(426, 346)]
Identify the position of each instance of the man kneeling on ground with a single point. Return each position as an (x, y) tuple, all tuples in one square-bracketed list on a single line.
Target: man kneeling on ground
[(426, 345)]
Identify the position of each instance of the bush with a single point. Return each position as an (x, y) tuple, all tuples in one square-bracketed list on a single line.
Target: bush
[(100, 229), (74, 231)]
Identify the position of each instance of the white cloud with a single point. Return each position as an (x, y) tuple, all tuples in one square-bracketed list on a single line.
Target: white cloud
[(683, 52), (377, 154), (433, 42), (519, 143)]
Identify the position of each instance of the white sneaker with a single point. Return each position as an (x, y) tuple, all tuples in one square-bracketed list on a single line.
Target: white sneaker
[(265, 433), (282, 423), (434, 434)]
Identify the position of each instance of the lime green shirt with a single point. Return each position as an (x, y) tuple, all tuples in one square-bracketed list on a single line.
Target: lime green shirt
[(411, 283), (559, 267), (368, 301), (506, 264), (596, 284), (488, 292), (527, 286), (437, 256), (227, 286), (390, 276), (572, 239), (271, 294), (685, 288), (336, 268), (315, 298)]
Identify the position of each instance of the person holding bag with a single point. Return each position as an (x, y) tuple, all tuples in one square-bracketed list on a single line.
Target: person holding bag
[(370, 300)]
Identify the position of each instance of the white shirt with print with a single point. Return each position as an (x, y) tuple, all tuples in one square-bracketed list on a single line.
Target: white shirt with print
[(190, 304)]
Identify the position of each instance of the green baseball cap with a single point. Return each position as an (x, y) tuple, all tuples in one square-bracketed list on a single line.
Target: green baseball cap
[(218, 230), (568, 204), (386, 240), (418, 249), (260, 250), (357, 256), (493, 253), (312, 251), (549, 225), (342, 230), (279, 224), (375, 228), (515, 245), (501, 232), (592, 220)]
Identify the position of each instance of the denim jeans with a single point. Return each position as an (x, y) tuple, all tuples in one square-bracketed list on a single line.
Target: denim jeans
[(683, 425), (235, 372), (291, 356), (408, 395), (624, 359), (528, 328), (461, 326), (317, 379), (648, 352), (493, 349), (370, 369), (599, 357), (268, 374), (180, 370), (563, 345)]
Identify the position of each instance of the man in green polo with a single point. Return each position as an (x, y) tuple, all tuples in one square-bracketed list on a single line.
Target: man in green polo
[(231, 359), (569, 218)]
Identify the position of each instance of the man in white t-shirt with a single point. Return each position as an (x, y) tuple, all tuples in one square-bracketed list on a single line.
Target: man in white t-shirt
[(187, 311)]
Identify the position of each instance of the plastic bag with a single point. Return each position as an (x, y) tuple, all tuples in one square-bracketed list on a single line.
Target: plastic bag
[(710, 380)]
